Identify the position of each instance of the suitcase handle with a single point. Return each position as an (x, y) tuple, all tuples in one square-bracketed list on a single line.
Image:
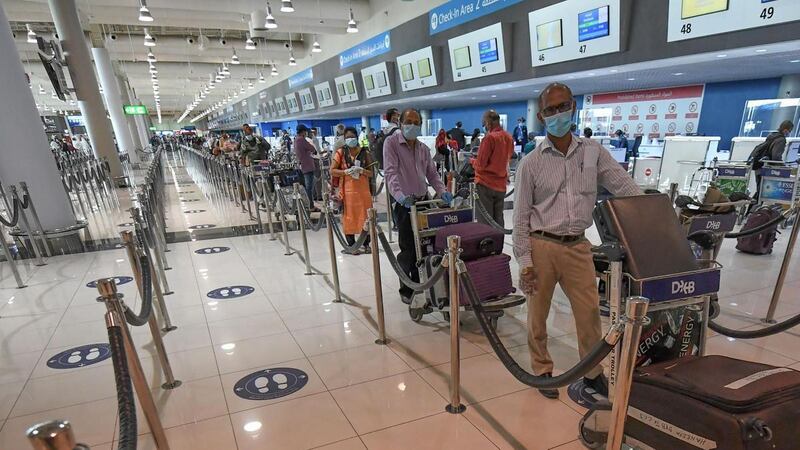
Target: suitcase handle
[(757, 430), (486, 245)]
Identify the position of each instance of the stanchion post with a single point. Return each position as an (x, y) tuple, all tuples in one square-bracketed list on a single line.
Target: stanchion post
[(376, 275), (389, 216), (332, 246), (636, 308), (301, 222), (27, 227), (10, 258), (36, 221), (473, 196), (254, 189), (53, 435), (787, 258), (166, 367), (673, 192), (108, 294), (453, 250), (268, 206), (282, 212)]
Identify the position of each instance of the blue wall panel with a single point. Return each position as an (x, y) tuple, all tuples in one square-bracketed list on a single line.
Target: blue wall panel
[(471, 116), (723, 106)]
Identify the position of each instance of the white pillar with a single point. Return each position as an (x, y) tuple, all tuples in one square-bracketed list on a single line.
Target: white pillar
[(108, 80), (365, 122), (25, 154), (425, 114), (534, 126), (76, 51), (131, 122), (141, 125)]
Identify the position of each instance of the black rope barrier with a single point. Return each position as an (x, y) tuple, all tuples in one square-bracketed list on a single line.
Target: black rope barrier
[(488, 218), (590, 361), (307, 217), (15, 208), (126, 404), (437, 274), (510, 193), (755, 334), (25, 202), (147, 296), (348, 249)]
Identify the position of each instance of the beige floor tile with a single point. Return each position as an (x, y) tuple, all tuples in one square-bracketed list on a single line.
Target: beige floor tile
[(430, 349), (399, 324), (18, 367), (443, 431), (235, 403), (248, 327), (210, 434), (256, 353), (509, 421), (357, 365), (331, 338), (347, 444), (482, 377), (574, 445), (315, 316), (298, 424), (742, 349), (216, 310), (389, 401), (64, 390), (93, 423), (9, 393), (191, 402)]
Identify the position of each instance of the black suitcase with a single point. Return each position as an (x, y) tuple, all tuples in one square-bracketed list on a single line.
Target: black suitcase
[(761, 243), (478, 240), (714, 402)]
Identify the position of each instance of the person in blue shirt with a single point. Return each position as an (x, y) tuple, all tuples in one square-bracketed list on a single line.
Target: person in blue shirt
[(520, 132)]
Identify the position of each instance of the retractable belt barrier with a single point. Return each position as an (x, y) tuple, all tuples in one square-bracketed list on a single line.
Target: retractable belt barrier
[(16, 206)]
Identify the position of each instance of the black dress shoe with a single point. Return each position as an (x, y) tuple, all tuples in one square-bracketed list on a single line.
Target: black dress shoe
[(598, 383), (549, 393)]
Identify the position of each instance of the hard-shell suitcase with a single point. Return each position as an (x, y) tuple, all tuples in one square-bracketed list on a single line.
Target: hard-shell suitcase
[(714, 402), (437, 294), (491, 276), (477, 239), (761, 243)]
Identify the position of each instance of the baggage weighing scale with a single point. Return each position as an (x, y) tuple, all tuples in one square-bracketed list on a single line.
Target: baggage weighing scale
[(779, 185), (645, 253), (427, 217)]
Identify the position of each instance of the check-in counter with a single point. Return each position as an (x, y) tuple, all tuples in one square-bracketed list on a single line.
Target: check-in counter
[(741, 147), (682, 157)]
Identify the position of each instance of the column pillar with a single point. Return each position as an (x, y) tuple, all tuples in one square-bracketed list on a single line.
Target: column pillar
[(108, 80), (534, 126), (131, 122), (141, 125), (25, 155), (425, 114), (365, 122), (76, 51)]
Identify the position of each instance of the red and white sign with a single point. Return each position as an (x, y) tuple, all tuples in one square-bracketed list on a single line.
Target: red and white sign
[(648, 172), (669, 111)]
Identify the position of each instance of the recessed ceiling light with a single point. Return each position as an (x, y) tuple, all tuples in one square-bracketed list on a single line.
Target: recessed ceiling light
[(631, 79), (677, 74), (761, 50), (591, 74), (795, 61), (614, 71), (722, 55), (494, 95)]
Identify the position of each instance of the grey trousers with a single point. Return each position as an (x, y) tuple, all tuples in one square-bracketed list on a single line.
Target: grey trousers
[(493, 202)]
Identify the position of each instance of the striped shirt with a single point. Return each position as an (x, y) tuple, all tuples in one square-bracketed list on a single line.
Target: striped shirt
[(557, 193)]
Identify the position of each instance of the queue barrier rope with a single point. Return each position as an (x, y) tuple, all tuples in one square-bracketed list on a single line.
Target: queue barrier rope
[(437, 274), (755, 334), (15, 208), (487, 217), (594, 357), (348, 249), (126, 403), (141, 319)]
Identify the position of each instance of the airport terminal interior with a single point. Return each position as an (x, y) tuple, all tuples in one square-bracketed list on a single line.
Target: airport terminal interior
[(239, 224)]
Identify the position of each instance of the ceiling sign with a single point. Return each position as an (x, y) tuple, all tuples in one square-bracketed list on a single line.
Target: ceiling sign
[(368, 49), (690, 19), (458, 12), (301, 78)]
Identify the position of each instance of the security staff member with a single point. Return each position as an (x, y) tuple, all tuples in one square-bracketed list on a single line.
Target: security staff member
[(556, 188)]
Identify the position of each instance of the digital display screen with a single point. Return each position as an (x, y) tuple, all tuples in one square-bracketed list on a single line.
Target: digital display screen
[(462, 58), (694, 8), (327, 93), (407, 72), (593, 24), (487, 51), (303, 100), (381, 77), (351, 87), (369, 82), (309, 100), (548, 35), (320, 95), (424, 67), (340, 89), (793, 152)]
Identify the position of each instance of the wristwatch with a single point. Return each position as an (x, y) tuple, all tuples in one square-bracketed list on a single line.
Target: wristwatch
[(527, 270)]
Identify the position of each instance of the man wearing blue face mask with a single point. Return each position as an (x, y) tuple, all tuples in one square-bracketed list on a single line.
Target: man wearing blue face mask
[(556, 190), (409, 169)]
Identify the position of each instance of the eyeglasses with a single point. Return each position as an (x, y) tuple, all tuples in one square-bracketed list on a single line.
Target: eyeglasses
[(557, 109)]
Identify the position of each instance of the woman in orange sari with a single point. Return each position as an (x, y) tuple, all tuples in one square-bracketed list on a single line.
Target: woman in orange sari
[(354, 165)]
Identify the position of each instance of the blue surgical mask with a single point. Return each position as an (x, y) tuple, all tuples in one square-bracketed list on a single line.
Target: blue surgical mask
[(411, 132), (558, 125), (351, 142)]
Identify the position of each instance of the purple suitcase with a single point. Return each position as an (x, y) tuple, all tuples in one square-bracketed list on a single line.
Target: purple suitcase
[(491, 276), (477, 240)]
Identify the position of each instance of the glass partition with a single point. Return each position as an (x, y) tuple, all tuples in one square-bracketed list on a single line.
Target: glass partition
[(761, 117)]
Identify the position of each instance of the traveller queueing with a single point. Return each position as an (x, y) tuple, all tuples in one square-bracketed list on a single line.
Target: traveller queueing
[(408, 171), (775, 145), (491, 167), (305, 154), (354, 165), (556, 190), (459, 135), (252, 148)]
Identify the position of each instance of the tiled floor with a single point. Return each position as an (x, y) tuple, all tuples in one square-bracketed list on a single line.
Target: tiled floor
[(357, 395)]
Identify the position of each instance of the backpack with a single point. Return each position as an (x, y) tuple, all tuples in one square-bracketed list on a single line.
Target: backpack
[(379, 140), (761, 151)]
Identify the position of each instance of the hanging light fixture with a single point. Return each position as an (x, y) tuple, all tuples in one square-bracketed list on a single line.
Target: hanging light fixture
[(249, 44), (153, 69), (31, 34), (144, 13), (352, 26), (261, 78), (274, 72), (225, 71), (151, 58), (149, 41), (316, 48), (286, 6), (41, 90), (270, 23), (241, 89), (292, 61), (250, 84), (235, 57)]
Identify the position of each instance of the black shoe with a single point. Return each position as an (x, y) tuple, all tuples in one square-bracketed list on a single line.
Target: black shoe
[(367, 250), (549, 393), (598, 383)]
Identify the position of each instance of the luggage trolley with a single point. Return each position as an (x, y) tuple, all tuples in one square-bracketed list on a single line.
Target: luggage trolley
[(733, 177), (427, 217), (646, 254)]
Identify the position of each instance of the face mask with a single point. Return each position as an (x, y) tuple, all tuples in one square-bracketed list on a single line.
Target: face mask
[(351, 142), (411, 132), (559, 124)]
